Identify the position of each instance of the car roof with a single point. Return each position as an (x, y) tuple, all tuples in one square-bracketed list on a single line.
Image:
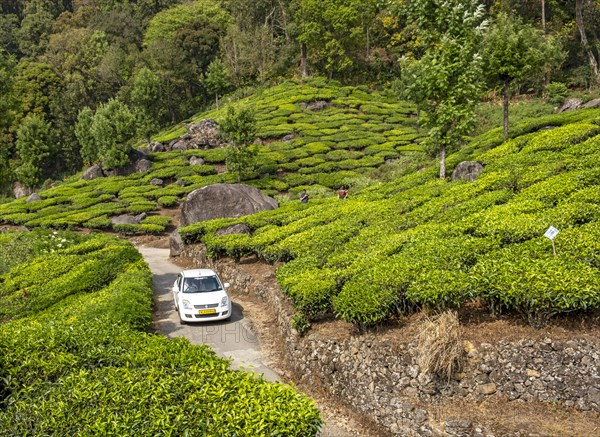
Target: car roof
[(195, 273)]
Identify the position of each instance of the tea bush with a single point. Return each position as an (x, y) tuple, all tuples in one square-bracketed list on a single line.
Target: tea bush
[(83, 363), (416, 241)]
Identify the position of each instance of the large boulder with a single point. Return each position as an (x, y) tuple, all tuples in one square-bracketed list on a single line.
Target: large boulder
[(223, 200), (194, 160), (468, 170), (93, 172)]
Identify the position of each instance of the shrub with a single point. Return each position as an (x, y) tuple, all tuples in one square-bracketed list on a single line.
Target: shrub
[(439, 345), (556, 92), (157, 220), (168, 201)]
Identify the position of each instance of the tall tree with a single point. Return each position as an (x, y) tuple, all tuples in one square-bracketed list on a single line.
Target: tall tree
[(147, 107), (238, 128), (587, 47), (450, 70), (331, 31), (33, 148), (216, 79), (103, 137), (514, 50), (8, 108)]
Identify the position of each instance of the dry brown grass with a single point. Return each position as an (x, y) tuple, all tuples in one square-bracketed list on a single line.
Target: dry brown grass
[(439, 345)]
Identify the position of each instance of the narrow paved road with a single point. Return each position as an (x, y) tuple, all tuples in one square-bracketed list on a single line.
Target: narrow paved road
[(230, 339)]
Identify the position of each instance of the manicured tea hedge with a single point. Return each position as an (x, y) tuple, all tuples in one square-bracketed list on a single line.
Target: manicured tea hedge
[(351, 134), (420, 242), (76, 357)]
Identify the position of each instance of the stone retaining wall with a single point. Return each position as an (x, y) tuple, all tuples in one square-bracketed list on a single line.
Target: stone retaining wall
[(384, 383)]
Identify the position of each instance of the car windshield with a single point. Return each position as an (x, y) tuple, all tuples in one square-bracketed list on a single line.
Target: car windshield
[(201, 285)]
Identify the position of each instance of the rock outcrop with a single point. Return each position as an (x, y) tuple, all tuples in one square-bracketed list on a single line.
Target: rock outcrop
[(201, 135), (223, 200)]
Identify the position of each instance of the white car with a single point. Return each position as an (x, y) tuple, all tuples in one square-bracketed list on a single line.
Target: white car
[(199, 295)]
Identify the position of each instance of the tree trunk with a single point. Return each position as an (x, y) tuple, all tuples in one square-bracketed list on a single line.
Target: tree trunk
[(303, 65), (443, 161), (584, 41), (505, 94), (544, 16), (217, 100)]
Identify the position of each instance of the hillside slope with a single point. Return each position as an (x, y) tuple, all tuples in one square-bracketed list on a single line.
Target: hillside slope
[(423, 242), (349, 131)]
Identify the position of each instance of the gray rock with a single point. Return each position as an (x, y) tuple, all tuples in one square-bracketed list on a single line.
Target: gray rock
[(176, 244), (157, 182), (180, 182), (141, 217), (204, 134), (143, 165), (288, 137), (94, 172), (180, 145), (125, 219), (194, 160), (223, 200), (570, 105), (33, 197), (468, 170), (240, 228), (157, 147), (318, 105)]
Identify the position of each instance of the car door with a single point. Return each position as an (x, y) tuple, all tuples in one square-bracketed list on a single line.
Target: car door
[(176, 290)]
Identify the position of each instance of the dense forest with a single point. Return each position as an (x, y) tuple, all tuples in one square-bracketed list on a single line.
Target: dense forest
[(81, 78)]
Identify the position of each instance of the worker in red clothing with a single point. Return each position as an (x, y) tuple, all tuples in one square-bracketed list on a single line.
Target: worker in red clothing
[(342, 193)]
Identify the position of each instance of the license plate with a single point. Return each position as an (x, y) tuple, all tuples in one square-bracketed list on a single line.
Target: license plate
[(211, 311)]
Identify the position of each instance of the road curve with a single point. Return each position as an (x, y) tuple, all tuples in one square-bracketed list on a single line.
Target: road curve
[(232, 339), (229, 338)]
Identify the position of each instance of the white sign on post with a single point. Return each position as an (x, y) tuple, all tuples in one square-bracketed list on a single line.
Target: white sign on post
[(551, 233)]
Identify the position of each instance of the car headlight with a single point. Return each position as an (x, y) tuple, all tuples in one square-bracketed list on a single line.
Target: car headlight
[(187, 305), (224, 301)]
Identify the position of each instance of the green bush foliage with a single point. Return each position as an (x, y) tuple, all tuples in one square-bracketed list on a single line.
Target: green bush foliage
[(77, 359)]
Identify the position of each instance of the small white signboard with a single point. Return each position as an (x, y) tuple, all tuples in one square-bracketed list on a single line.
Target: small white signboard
[(551, 233)]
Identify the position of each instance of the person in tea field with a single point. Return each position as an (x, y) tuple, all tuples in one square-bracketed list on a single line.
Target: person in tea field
[(342, 193), (303, 196)]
